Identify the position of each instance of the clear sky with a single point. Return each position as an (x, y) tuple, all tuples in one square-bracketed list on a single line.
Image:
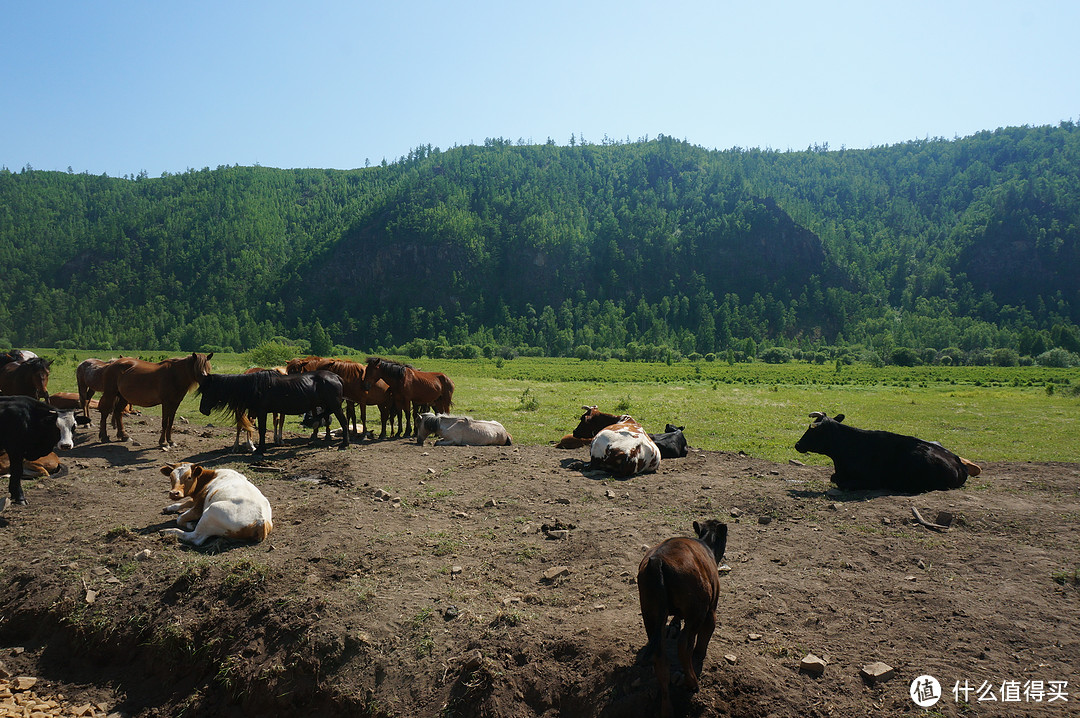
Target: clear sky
[(166, 85)]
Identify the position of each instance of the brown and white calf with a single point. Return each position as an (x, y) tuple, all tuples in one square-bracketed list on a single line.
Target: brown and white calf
[(215, 502), (679, 578), (620, 444)]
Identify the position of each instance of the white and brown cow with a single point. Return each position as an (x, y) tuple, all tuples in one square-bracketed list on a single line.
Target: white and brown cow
[(461, 431), (620, 445), (215, 502)]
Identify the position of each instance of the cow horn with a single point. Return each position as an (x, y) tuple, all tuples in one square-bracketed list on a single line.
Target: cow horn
[(817, 415)]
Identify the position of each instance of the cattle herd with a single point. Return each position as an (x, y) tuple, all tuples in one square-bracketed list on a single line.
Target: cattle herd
[(675, 578)]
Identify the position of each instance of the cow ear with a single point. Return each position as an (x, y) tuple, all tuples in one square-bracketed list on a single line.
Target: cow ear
[(167, 469), (838, 418), (196, 470)]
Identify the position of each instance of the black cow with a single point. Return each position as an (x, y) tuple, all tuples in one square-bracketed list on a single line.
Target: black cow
[(30, 429), (865, 459), (672, 443)]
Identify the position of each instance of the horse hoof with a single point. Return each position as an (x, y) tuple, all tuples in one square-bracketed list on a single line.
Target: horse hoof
[(3, 504), (19, 501)]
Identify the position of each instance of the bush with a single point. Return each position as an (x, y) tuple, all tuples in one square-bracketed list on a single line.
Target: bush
[(775, 355), (1058, 358), (904, 356), (272, 353), (1005, 357)]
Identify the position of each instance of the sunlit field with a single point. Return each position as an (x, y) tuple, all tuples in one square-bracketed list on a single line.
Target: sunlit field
[(983, 413)]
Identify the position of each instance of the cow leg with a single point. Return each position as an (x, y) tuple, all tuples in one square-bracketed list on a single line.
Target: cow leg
[(689, 632), (15, 480)]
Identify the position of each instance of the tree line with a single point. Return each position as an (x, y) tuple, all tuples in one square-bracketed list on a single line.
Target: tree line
[(965, 248)]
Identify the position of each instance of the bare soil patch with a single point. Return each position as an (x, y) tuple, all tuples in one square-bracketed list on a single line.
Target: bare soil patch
[(438, 605)]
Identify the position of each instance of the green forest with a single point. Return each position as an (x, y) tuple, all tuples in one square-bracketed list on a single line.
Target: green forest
[(930, 251)]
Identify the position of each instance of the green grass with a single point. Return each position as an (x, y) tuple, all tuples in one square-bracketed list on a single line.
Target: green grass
[(983, 413)]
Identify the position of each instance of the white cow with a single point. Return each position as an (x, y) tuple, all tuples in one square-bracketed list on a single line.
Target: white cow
[(624, 449), (215, 502), (461, 431)]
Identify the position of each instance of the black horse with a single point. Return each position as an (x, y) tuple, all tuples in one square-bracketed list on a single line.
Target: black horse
[(319, 392)]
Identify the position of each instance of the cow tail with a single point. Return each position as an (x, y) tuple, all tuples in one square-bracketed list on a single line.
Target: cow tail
[(655, 587)]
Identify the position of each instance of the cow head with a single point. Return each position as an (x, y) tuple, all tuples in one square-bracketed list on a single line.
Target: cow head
[(183, 477), (592, 422), (713, 534), (817, 438), (65, 425)]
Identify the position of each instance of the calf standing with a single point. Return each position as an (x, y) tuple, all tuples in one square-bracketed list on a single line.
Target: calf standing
[(219, 502), (679, 578)]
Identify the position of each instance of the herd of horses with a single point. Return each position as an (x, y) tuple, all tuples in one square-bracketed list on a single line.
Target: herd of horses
[(315, 386)]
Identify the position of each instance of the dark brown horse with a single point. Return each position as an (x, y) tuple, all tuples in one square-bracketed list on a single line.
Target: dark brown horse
[(415, 389), (89, 377), (29, 377), (144, 383), (357, 390)]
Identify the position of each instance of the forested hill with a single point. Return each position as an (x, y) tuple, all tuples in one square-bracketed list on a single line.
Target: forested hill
[(646, 249)]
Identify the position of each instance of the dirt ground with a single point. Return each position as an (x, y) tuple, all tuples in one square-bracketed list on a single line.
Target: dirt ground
[(402, 580)]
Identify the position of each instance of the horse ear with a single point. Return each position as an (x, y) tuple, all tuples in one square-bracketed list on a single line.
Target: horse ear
[(209, 356)]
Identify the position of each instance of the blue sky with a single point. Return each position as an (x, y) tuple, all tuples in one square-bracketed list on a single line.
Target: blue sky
[(122, 87)]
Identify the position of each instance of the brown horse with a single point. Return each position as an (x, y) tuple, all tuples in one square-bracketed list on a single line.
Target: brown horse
[(29, 377), (144, 383), (357, 390), (414, 389)]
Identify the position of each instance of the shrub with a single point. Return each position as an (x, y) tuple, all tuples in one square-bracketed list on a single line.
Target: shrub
[(1058, 358), (272, 353), (1005, 357), (775, 355)]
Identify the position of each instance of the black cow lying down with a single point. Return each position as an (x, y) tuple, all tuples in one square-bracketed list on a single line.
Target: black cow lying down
[(672, 443), (865, 459)]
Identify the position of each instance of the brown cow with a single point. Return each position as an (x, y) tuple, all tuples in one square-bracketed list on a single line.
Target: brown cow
[(679, 578), (48, 465)]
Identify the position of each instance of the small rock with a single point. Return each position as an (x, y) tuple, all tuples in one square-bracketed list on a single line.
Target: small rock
[(796, 462), (4, 672), (490, 503), (599, 607), (812, 665), (142, 555), (764, 520), (431, 471), (944, 518), (886, 520), (555, 572), (753, 637), (834, 507), (610, 494), (91, 595), (558, 534), (731, 658), (878, 672), (451, 613), (736, 513), (23, 683), (921, 564), (455, 570), (562, 501), (723, 569), (460, 515), (382, 495), (364, 638)]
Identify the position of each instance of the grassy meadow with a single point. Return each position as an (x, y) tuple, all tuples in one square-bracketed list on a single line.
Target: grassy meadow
[(983, 413)]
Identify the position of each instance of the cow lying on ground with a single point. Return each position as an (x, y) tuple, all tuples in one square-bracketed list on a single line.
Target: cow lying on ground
[(864, 459), (672, 443), (219, 502), (619, 443), (39, 468), (30, 429), (69, 401), (679, 578), (460, 431)]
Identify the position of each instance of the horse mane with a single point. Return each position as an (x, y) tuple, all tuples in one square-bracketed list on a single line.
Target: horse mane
[(396, 370), (35, 364), (233, 392), (347, 370)]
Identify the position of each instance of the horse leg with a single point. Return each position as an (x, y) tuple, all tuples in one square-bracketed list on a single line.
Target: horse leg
[(262, 433), (168, 414), (105, 407), (344, 427), (279, 428)]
